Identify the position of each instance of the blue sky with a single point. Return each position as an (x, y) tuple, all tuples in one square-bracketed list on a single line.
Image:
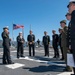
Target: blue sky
[(43, 15)]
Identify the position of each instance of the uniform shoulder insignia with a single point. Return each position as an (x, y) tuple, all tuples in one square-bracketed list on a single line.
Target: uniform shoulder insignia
[(66, 28)]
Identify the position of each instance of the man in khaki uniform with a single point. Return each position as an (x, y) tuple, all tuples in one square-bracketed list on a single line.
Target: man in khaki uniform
[(59, 40), (64, 42)]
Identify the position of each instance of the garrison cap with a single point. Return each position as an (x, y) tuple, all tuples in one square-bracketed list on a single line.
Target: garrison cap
[(63, 21), (67, 14)]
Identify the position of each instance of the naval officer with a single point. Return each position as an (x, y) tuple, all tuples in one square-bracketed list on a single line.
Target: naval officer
[(46, 42), (71, 7), (31, 43), (6, 46)]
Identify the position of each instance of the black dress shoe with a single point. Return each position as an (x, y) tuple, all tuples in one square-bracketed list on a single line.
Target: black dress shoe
[(72, 74), (11, 63), (44, 55), (5, 63), (54, 57), (18, 57), (62, 59), (22, 56), (68, 70)]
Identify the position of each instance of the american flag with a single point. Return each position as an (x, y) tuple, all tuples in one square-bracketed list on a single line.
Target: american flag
[(16, 26)]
